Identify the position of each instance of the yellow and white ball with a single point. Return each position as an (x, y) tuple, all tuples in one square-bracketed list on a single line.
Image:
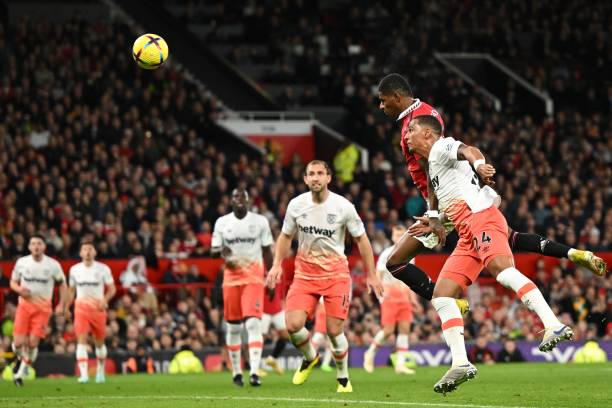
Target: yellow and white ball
[(150, 51)]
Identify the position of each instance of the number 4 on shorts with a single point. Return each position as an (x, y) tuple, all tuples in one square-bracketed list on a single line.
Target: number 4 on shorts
[(485, 238)]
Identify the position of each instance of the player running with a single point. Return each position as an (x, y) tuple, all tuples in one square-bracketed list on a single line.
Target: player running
[(92, 283), (395, 310), (398, 103), (33, 279), (274, 316), (483, 242), (244, 240), (321, 218)]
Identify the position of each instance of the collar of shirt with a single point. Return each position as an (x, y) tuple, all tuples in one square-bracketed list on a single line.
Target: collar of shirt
[(413, 106)]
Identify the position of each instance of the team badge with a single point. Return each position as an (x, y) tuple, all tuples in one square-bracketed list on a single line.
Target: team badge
[(331, 218)]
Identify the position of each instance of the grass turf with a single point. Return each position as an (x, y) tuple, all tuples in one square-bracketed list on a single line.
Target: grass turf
[(509, 385)]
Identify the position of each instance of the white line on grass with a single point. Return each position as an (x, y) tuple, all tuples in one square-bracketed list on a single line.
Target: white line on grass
[(271, 399)]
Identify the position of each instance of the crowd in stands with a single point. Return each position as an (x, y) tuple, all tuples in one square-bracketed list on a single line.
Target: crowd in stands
[(86, 153)]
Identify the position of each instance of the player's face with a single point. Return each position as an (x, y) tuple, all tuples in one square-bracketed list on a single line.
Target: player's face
[(397, 233), (37, 246), (390, 104), (317, 178), (415, 137), (88, 252), (240, 200)]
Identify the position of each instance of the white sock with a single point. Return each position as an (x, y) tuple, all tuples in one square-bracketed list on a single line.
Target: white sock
[(339, 347), (101, 354), (327, 354), (379, 340), (452, 328), (24, 355), (401, 347), (33, 355), (253, 327), (301, 341), (318, 340), (232, 341), (81, 357), (529, 294)]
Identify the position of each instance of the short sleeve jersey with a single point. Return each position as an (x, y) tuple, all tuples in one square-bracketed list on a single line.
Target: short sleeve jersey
[(395, 290), (321, 229), (455, 182), (89, 282), (38, 276), (244, 237)]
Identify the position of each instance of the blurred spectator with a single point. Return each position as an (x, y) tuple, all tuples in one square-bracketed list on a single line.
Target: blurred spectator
[(480, 353), (509, 353)]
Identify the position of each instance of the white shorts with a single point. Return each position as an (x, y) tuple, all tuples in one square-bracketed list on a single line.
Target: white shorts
[(431, 240), (277, 320)]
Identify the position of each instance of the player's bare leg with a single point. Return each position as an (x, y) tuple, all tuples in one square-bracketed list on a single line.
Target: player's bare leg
[(502, 268), (101, 353), (339, 348), (521, 241), (379, 340), (82, 358), (462, 370), (300, 337), (401, 348)]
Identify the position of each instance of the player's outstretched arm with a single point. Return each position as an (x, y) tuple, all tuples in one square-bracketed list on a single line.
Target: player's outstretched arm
[(283, 245), (477, 160), (365, 249)]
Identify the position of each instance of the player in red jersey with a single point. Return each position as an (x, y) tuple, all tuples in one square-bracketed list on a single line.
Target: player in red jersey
[(398, 102), (274, 315)]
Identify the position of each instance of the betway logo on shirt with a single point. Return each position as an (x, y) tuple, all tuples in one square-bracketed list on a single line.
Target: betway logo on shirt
[(240, 240), (86, 283), (316, 230)]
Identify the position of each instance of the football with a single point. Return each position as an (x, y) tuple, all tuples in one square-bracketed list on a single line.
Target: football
[(150, 51)]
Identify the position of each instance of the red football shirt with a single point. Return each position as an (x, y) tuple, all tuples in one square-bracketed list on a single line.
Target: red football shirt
[(417, 108)]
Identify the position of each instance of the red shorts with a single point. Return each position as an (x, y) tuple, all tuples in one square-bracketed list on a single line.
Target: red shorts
[(304, 295), (90, 320), (483, 236), (242, 301), (394, 312), (31, 319), (320, 325)]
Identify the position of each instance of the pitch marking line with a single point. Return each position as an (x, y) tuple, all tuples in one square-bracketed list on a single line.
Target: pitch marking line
[(271, 399)]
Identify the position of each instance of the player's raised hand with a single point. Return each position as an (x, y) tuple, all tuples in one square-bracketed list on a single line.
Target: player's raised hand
[(420, 228), (438, 228), (374, 284), (274, 276)]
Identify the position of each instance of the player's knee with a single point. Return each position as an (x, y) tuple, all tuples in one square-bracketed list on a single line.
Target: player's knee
[(446, 288), (294, 325), (499, 263), (33, 342), (253, 324)]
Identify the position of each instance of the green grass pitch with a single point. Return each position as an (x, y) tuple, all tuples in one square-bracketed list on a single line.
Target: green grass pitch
[(511, 385)]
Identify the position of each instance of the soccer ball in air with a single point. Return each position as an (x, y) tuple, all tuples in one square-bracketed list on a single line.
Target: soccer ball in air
[(150, 51)]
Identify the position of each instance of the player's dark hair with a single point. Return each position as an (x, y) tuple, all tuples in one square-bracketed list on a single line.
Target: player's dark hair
[(431, 122), (395, 83), (87, 242), (39, 236), (321, 162)]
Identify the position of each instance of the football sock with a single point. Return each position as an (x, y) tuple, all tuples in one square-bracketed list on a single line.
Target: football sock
[(232, 341), (520, 241), (452, 328), (279, 347), (82, 360), (33, 355), (327, 356), (401, 347), (529, 294), (301, 341), (340, 346), (24, 356), (318, 340), (414, 278), (379, 340), (253, 327), (101, 353)]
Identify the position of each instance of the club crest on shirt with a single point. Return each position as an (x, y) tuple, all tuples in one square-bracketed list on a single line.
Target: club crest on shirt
[(331, 218)]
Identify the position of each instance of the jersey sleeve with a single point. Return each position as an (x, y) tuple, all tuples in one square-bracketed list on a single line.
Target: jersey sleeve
[(266, 233), (71, 279), (445, 151), (58, 275), (217, 236), (381, 262), (353, 222), (17, 271), (289, 224), (107, 276)]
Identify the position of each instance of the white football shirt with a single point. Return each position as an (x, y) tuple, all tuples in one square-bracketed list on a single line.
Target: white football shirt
[(90, 281), (455, 182), (38, 276), (321, 229), (244, 237)]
